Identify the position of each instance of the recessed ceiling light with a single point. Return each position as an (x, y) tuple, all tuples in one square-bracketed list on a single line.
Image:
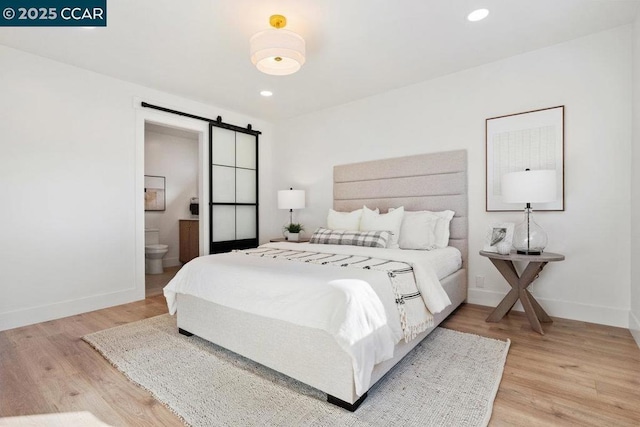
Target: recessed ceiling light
[(266, 93), (478, 15)]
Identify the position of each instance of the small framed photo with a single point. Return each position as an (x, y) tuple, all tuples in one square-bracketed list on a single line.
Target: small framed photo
[(498, 233)]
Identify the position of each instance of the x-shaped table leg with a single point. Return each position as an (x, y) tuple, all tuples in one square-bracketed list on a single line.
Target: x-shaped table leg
[(535, 313)]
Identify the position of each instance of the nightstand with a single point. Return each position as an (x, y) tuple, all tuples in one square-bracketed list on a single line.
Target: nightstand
[(504, 263), (282, 239)]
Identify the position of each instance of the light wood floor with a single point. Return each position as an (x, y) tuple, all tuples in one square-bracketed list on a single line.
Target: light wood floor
[(153, 283), (576, 374)]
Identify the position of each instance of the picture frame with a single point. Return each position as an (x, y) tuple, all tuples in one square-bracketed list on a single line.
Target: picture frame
[(154, 193), (516, 142), (496, 234)]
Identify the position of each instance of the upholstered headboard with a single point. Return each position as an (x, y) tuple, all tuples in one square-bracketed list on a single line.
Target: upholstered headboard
[(435, 182)]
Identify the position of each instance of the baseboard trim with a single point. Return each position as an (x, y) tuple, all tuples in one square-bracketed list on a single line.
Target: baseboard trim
[(634, 327), (564, 309), (31, 315)]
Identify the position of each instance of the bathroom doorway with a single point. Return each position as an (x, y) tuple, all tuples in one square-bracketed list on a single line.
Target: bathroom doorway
[(172, 162)]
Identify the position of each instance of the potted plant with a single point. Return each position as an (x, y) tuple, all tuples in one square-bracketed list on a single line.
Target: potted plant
[(293, 231)]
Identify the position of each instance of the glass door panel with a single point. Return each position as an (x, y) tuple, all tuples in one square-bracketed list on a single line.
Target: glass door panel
[(245, 186), (223, 183), (233, 189), (223, 151), (224, 220), (246, 222), (245, 151)]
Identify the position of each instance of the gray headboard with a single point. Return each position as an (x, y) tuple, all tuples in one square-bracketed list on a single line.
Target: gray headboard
[(435, 182)]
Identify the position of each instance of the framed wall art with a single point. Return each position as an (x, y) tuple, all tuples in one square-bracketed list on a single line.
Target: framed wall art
[(154, 193), (532, 140), (499, 234)]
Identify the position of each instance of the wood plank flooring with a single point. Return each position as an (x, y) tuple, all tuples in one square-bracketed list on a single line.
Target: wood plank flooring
[(154, 283), (576, 374)]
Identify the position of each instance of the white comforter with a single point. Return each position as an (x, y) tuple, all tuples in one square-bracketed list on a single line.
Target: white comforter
[(355, 306)]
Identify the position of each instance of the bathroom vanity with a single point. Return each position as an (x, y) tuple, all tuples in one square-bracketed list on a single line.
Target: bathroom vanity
[(189, 240)]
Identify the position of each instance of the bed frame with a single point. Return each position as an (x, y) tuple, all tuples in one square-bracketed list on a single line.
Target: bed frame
[(434, 182)]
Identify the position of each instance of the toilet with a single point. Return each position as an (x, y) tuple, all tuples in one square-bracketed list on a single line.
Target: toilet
[(153, 251)]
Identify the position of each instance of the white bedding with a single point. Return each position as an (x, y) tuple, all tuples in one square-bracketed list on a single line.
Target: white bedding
[(429, 266), (355, 306), (443, 261)]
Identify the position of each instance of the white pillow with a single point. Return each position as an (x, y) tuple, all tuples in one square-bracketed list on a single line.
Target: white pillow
[(344, 220), (418, 231), (441, 225), (392, 221)]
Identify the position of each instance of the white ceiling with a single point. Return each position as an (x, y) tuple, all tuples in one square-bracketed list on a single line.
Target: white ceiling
[(199, 48)]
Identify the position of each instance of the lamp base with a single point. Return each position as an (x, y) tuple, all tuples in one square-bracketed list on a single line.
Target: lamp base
[(527, 252), (528, 237)]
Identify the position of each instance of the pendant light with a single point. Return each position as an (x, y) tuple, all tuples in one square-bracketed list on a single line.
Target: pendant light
[(277, 51)]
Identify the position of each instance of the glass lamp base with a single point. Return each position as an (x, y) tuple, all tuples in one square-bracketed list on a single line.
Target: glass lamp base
[(529, 252), (528, 237)]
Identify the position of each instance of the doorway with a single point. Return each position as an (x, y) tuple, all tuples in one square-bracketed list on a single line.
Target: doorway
[(170, 158), (195, 134)]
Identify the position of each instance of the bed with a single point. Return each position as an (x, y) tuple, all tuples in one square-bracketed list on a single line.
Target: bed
[(435, 182)]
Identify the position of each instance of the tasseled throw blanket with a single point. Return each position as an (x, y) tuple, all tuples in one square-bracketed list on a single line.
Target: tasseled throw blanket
[(414, 315)]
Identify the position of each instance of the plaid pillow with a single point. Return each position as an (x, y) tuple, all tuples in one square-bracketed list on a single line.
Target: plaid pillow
[(372, 239)]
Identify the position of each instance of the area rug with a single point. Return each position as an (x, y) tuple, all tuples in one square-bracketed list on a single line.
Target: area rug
[(450, 379)]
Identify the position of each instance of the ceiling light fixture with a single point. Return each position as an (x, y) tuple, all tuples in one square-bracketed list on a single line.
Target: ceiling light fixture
[(277, 51), (478, 15), (266, 93)]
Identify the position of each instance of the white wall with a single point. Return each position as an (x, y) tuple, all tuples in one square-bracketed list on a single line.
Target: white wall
[(71, 222), (591, 76), (71, 166), (176, 159), (634, 314)]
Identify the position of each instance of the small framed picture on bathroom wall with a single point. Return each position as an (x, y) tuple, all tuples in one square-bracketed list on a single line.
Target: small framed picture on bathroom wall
[(154, 188)]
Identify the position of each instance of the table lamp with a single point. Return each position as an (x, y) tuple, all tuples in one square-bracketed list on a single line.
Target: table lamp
[(537, 186), (291, 199)]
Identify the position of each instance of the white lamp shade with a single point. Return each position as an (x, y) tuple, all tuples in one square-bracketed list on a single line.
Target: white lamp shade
[(537, 186), (277, 51), (291, 199)]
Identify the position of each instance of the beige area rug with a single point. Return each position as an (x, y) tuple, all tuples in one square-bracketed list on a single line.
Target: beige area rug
[(450, 379)]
